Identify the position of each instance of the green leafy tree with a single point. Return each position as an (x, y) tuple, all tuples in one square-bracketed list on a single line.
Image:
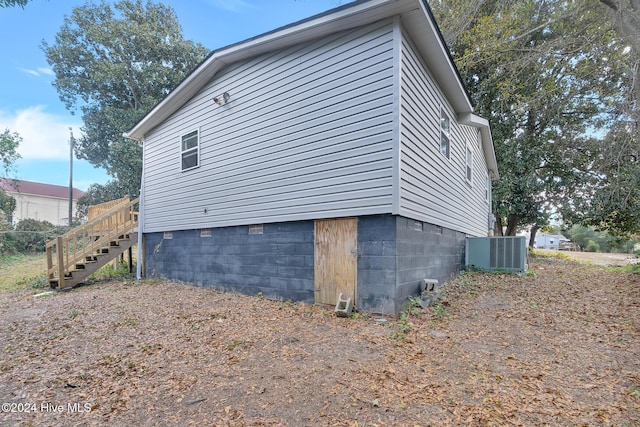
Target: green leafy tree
[(625, 16), (544, 73), (614, 203), (9, 142), (7, 204), (115, 63), (31, 235), (5, 238), (12, 3), (97, 194)]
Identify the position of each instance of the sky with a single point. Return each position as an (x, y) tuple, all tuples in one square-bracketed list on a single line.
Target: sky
[(30, 106)]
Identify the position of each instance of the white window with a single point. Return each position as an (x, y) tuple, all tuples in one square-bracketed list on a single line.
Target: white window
[(168, 235), (445, 134), (205, 232), (469, 164), (190, 150)]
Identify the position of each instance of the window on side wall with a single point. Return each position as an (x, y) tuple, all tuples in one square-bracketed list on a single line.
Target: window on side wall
[(190, 150), (445, 134), (487, 189), (469, 164)]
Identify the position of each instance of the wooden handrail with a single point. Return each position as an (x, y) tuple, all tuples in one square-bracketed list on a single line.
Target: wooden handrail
[(85, 241), (96, 210)]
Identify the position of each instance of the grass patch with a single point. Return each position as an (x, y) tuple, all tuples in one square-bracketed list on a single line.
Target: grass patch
[(632, 268), (108, 272), (23, 272), (549, 254)]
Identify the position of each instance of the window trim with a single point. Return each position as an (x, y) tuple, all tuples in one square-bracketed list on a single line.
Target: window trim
[(445, 133), (190, 150), (487, 189), (468, 164)]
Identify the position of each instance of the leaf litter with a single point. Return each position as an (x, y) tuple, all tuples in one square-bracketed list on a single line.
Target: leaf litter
[(557, 347)]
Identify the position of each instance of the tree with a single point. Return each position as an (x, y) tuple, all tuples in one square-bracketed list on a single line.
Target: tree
[(12, 3), (625, 16), (615, 204), (97, 194), (114, 64), (32, 235), (544, 73), (9, 143), (7, 204)]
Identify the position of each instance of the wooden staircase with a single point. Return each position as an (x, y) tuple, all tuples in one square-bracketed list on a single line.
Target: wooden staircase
[(111, 230)]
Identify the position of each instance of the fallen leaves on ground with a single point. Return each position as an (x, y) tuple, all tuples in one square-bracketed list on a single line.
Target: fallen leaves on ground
[(558, 347)]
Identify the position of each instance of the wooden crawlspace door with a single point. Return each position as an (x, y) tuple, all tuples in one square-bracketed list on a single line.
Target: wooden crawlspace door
[(336, 259)]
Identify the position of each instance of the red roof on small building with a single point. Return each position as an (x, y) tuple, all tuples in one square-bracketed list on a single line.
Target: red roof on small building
[(38, 189)]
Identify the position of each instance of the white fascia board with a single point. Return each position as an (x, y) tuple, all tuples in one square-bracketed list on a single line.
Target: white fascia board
[(482, 124), (432, 46)]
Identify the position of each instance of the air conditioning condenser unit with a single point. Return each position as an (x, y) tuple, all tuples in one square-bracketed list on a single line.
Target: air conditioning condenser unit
[(507, 253)]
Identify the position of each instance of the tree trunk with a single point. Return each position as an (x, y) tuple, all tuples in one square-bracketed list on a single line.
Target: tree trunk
[(532, 238), (512, 224), (497, 226)]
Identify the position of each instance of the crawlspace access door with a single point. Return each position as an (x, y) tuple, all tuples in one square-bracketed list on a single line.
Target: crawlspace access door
[(336, 259)]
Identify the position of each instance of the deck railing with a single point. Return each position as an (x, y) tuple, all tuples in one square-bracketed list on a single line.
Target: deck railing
[(86, 241)]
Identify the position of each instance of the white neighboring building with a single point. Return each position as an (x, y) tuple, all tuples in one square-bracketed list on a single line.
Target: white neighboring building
[(43, 202), (550, 241)]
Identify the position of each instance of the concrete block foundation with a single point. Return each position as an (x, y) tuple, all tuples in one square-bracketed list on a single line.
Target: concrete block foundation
[(395, 255)]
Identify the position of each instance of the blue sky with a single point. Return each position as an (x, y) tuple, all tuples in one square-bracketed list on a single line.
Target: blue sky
[(30, 105)]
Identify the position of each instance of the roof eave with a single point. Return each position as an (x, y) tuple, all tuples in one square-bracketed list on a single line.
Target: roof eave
[(339, 19), (488, 149)]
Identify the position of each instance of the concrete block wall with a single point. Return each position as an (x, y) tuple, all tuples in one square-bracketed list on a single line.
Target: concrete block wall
[(425, 251), (279, 263), (377, 259), (396, 253)]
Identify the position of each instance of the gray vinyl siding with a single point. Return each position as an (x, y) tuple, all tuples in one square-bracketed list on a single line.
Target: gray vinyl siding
[(434, 189), (307, 133)]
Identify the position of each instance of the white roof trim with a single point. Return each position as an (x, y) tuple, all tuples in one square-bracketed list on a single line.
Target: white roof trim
[(482, 124), (415, 16)]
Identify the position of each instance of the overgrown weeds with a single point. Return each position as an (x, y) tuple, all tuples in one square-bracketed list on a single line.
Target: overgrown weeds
[(22, 271)]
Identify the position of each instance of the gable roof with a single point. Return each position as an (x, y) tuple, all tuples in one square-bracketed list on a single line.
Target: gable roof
[(416, 17), (38, 189)]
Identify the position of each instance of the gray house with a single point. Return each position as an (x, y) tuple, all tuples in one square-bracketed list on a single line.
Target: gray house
[(339, 154)]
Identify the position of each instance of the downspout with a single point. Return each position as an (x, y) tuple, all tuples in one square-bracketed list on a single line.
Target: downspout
[(140, 253), (140, 223)]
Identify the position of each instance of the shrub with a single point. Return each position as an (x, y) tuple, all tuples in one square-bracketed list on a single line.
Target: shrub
[(592, 247), (31, 235)]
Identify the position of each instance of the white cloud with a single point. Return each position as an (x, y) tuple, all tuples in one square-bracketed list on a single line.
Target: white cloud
[(27, 71), (231, 5), (46, 70), (44, 135), (38, 71)]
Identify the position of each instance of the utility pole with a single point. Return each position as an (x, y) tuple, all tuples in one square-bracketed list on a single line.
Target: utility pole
[(71, 144)]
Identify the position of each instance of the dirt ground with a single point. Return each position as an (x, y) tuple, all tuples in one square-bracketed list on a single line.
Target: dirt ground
[(595, 258), (557, 347)]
